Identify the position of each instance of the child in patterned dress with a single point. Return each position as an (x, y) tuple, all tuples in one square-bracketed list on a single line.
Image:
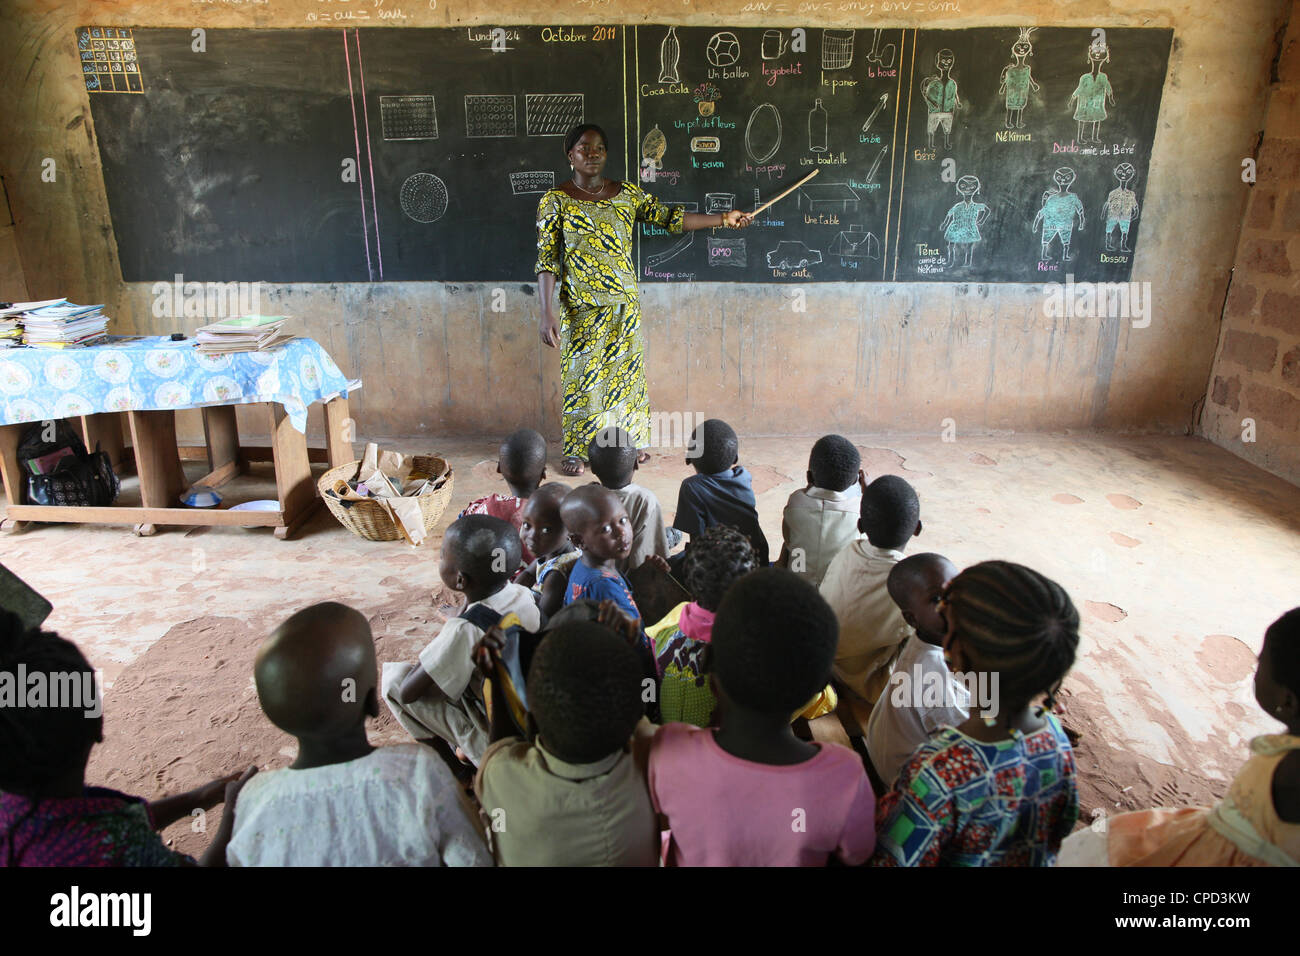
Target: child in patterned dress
[(998, 790), (48, 815)]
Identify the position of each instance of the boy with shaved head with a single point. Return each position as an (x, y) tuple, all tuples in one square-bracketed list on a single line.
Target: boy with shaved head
[(923, 695), (543, 533), (439, 698), (599, 526), (521, 461), (613, 460), (343, 802), (855, 585)]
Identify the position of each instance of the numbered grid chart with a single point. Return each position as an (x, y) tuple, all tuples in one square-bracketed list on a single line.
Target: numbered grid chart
[(109, 62)]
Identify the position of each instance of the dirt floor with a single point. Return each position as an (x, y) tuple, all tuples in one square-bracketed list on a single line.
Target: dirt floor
[(1177, 554)]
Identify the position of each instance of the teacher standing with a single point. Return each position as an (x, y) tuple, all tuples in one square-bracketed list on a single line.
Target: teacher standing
[(584, 244)]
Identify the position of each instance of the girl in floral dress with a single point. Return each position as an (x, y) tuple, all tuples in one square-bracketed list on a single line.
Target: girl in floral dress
[(998, 790)]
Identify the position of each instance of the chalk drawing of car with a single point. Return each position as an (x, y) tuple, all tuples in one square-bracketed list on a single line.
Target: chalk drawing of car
[(792, 254)]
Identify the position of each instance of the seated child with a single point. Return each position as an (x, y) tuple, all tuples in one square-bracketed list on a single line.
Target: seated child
[(543, 533), (343, 802), (1000, 789), (598, 525), (820, 520), (923, 696), (440, 697), (572, 795), (720, 491), (522, 463), (871, 625), (613, 460), (1256, 824), (48, 816), (718, 557), (751, 793)]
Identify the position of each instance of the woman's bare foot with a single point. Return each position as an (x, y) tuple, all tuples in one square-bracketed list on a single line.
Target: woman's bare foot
[(572, 466)]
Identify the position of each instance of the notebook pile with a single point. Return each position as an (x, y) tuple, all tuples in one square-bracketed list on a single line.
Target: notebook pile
[(245, 333), (11, 332), (52, 324)]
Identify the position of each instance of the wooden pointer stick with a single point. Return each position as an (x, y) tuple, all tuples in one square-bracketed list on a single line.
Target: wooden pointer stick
[(784, 194)]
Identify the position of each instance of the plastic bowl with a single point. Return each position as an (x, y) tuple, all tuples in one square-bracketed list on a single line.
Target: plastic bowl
[(201, 498)]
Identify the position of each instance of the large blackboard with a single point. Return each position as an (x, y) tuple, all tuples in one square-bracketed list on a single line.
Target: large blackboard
[(331, 155), (862, 108), (392, 154)]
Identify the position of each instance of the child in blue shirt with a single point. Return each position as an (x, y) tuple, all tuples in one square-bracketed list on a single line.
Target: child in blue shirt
[(598, 526), (720, 491)]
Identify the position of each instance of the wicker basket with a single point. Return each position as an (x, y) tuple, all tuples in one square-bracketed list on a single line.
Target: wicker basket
[(368, 518)]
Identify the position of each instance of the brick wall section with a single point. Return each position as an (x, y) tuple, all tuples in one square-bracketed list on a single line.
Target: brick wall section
[(1256, 373)]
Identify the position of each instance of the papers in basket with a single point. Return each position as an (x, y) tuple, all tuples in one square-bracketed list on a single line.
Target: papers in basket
[(386, 477)]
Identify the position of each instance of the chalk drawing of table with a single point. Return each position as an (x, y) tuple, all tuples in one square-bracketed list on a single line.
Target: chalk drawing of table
[(146, 381)]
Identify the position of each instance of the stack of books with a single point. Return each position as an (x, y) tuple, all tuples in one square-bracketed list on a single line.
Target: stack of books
[(11, 320), (62, 324), (245, 333)]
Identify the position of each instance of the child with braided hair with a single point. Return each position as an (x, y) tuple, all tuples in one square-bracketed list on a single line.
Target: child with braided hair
[(999, 789), (48, 816), (719, 556)]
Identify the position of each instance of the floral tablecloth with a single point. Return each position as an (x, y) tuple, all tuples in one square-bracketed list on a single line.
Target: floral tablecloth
[(153, 372)]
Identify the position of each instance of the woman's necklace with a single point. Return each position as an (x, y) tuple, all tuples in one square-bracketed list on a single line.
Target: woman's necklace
[(594, 192)]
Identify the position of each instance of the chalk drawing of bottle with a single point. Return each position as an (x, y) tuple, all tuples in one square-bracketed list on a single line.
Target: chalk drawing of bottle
[(670, 51), (817, 127)]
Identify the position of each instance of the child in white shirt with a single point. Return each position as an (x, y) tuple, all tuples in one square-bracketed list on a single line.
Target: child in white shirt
[(439, 699), (922, 695), (343, 802), (871, 625), (820, 520)]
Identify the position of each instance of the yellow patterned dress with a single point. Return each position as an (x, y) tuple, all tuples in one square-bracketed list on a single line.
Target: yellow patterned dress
[(587, 245)]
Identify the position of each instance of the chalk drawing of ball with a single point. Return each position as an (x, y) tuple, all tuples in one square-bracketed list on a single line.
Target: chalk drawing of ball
[(424, 197), (723, 49)]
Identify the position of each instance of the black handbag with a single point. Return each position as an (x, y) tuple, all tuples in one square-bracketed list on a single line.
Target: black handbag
[(79, 478)]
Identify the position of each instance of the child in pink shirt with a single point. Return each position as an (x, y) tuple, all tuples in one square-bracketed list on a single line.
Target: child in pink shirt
[(522, 463), (749, 792)]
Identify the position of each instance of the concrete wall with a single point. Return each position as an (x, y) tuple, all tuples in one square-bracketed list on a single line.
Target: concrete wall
[(436, 360), (13, 284), (1253, 404)]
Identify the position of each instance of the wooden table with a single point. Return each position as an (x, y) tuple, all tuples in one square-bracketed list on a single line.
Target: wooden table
[(157, 461)]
